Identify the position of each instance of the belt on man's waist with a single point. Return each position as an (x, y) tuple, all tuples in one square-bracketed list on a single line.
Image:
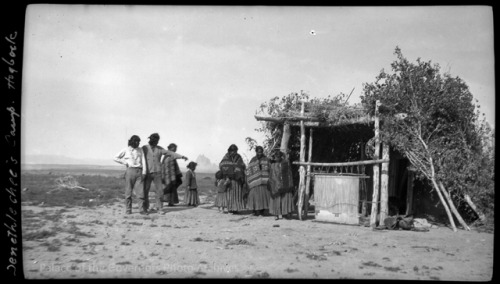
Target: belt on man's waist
[(135, 168)]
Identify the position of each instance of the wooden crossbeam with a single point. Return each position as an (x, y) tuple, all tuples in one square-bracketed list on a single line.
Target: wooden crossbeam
[(368, 162), (283, 119)]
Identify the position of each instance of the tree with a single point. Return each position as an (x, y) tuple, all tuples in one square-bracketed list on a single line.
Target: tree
[(276, 107), (430, 118), (478, 185)]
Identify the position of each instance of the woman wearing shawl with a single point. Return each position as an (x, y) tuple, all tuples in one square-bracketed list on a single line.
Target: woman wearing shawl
[(171, 177), (258, 182), (281, 182), (233, 168)]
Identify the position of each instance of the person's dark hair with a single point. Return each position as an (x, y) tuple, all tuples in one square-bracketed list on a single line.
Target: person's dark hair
[(172, 146), (218, 175), (232, 148), (259, 148), (278, 154), (133, 139), (154, 135), (191, 165)]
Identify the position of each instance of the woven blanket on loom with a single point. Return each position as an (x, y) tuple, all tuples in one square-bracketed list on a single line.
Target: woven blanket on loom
[(232, 167), (258, 172), (281, 177)]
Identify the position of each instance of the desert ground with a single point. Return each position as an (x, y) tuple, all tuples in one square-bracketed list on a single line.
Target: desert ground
[(89, 236)]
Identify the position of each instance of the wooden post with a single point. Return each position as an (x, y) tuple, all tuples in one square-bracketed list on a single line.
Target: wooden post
[(384, 185), (364, 193), (308, 174), (409, 194), (471, 204), (376, 168), (453, 208), (443, 201), (285, 137), (302, 169)]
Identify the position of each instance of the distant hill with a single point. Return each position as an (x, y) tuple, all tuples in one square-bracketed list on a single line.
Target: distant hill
[(205, 165)]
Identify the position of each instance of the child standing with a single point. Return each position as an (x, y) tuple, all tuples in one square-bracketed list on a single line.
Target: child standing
[(222, 185), (191, 198)]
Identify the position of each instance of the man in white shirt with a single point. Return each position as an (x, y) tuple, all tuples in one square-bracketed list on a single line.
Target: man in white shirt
[(133, 158)]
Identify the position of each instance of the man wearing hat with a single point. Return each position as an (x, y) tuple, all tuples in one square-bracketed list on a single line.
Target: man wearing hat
[(153, 154)]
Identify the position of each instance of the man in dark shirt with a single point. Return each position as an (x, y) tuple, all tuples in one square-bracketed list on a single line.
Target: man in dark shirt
[(153, 154)]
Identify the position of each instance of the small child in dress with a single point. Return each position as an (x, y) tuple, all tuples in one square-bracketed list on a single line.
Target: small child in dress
[(222, 185), (191, 198)]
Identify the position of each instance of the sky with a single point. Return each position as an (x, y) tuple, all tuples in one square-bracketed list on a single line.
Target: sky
[(95, 75)]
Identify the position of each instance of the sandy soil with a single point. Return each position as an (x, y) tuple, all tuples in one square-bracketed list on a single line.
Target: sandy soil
[(199, 242)]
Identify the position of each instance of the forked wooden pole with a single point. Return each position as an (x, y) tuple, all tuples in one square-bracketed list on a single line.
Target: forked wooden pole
[(375, 197), (308, 175), (285, 137), (302, 170), (384, 184)]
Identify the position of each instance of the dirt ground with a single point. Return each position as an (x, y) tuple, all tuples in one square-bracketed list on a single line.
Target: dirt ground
[(187, 242)]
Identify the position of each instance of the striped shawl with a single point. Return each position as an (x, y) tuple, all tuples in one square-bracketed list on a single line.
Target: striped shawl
[(258, 172), (233, 167)]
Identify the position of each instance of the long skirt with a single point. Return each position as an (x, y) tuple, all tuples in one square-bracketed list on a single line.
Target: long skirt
[(281, 204), (171, 196), (221, 200), (258, 198), (192, 197), (234, 197)]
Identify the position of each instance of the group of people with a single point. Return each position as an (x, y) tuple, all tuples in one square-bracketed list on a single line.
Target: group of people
[(266, 184), (152, 164)]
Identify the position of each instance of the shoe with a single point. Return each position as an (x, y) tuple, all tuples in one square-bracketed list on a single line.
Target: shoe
[(162, 212), (144, 213), (128, 212)]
